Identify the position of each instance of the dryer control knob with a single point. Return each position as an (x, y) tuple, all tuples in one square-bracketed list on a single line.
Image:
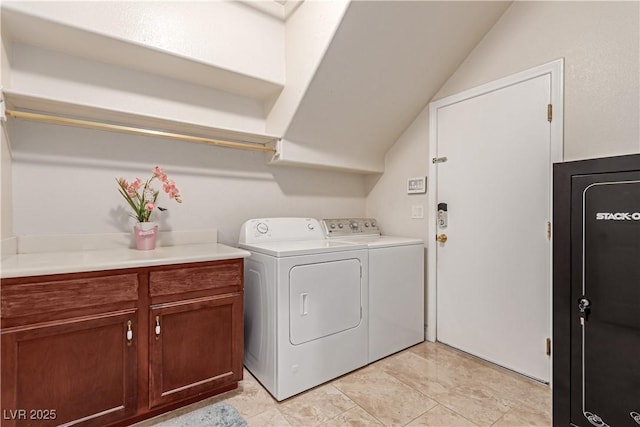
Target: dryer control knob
[(332, 226), (310, 226), (262, 228), (340, 225)]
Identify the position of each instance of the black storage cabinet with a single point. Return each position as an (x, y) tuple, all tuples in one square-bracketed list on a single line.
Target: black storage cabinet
[(596, 292)]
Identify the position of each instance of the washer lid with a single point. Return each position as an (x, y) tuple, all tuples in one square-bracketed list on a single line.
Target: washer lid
[(380, 241), (301, 247)]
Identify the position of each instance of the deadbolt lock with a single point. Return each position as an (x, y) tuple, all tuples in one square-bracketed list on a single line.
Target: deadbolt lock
[(442, 238)]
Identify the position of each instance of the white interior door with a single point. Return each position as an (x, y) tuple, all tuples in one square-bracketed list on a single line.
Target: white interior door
[(493, 273)]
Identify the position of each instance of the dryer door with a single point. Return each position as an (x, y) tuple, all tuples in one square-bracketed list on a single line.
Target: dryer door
[(324, 299)]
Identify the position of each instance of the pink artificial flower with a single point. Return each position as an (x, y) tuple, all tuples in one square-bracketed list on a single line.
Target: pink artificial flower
[(169, 187), (157, 171), (133, 188), (143, 204)]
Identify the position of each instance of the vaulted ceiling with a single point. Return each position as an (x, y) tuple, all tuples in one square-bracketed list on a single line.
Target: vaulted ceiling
[(385, 62)]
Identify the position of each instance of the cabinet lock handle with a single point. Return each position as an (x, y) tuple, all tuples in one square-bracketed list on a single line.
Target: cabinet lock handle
[(157, 327), (129, 333)]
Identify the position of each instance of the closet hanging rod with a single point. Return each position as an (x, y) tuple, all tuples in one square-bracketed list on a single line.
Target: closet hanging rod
[(135, 131)]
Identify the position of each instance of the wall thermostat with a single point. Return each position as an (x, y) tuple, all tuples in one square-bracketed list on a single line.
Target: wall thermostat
[(417, 185)]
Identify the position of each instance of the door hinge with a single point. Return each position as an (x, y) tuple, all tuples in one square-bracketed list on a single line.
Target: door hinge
[(438, 160), (548, 230), (549, 112), (548, 347)]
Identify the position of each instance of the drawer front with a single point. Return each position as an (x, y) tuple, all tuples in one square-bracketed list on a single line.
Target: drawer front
[(223, 275), (28, 298)]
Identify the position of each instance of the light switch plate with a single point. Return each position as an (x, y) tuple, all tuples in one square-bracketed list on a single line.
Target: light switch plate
[(417, 185), (417, 211)]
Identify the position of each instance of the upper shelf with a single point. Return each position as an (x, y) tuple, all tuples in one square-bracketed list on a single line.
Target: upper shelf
[(189, 55), (65, 113), (115, 68)]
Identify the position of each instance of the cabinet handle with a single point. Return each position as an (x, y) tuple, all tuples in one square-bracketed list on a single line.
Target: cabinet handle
[(129, 333), (157, 327)]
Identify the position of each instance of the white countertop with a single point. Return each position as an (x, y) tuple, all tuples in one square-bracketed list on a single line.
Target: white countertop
[(43, 263)]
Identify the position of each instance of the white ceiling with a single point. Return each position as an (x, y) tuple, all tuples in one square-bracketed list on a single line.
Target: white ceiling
[(385, 63)]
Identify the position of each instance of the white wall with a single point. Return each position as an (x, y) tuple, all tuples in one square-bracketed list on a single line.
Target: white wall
[(65, 179), (6, 212), (600, 42), (387, 199), (6, 197)]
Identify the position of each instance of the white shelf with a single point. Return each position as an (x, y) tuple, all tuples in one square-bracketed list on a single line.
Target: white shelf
[(30, 103), (23, 25)]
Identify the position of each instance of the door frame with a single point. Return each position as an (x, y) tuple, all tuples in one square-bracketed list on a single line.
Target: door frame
[(555, 69)]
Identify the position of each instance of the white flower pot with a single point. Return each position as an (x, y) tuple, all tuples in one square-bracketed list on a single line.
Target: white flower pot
[(146, 234)]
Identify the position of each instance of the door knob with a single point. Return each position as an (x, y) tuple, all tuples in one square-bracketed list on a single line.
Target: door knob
[(442, 238)]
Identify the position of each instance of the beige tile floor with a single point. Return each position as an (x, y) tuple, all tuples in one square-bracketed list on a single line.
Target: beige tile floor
[(429, 384)]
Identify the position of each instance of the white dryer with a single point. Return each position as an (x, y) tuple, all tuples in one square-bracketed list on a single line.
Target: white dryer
[(396, 283), (306, 305)]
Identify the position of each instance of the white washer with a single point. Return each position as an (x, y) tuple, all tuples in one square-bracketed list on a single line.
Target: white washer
[(396, 284), (306, 305)]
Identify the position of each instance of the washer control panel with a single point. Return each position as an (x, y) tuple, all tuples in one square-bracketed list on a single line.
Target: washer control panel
[(350, 227)]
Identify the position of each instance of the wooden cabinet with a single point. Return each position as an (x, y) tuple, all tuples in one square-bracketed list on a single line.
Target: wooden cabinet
[(195, 344), (116, 347), (69, 349)]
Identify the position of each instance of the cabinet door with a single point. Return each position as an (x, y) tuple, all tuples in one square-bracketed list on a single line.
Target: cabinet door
[(195, 346), (77, 371), (605, 328)]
